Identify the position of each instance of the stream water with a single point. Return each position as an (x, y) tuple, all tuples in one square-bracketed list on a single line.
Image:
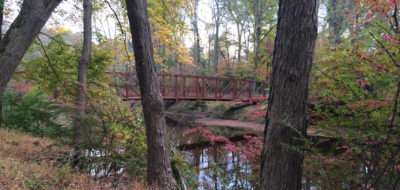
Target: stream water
[(219, 168), (216, 166)]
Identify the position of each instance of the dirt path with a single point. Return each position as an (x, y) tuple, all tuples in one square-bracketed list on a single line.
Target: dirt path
[(230, 123), (238, 124)]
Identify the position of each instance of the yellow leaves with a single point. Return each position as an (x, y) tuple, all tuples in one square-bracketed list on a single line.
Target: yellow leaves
[(58, 30), (168, 28), (184, 56)]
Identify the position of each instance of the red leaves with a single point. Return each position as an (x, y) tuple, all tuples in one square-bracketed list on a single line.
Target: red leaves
[(263, 73), (392, 3), (387, 37), (369, 104), (270, 46), (343, 147), (257, 115), (251, 150), (366, 57), (313, 118), (208, 134), (381, 66)]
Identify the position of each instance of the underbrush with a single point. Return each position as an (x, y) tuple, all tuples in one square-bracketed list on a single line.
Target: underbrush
[(36, 136), (33, 113), (28, 162)]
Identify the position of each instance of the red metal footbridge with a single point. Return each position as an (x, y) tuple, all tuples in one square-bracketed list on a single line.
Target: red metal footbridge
[(192, 87), (182, 87)]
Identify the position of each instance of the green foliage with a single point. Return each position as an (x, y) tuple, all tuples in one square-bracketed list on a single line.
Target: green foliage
[(34, 182), (33, 113), (181, 167), (354, 93), (56, 67), (114, 138)]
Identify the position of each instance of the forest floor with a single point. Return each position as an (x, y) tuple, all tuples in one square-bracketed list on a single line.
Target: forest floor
[(28, 162)]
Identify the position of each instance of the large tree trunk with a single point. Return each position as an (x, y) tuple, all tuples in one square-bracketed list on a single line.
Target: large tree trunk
[(30, 20), (159, 173), (292, 61), (216, 41), (83, 64)]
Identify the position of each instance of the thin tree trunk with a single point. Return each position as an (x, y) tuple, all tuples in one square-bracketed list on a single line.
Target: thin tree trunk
[(30, 20), (1, 19), (1, 37), (239, 42), (209, 52), (248, 56), (159, 172), (292, 61), (83, 64), (227, 44), (335, 19), (259, 13), (216, 42), (197, 35)]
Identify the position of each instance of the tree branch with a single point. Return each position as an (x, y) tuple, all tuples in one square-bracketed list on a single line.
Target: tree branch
[(49, 61), (386, 50), (58, 41), (122, 31)]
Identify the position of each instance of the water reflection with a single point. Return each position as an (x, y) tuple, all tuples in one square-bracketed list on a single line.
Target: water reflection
[(219, 168)]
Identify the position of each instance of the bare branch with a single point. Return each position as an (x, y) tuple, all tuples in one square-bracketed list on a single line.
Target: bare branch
[(386, 50), (122, 31), (58, 41), (49, 61)]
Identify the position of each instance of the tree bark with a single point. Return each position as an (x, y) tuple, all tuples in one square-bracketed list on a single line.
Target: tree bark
[(159, 173), (1, 37), (196, 35), (248, 55), (259, 13), (239, 31), (1, 19), (286, 114), (26, 26), (83, 64), (216, 41), (335, 19)]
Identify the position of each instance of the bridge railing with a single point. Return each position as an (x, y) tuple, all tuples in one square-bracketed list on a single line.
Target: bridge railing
[(192, 87)]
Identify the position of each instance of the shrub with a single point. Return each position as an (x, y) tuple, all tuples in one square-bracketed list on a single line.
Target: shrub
[(33, 113)]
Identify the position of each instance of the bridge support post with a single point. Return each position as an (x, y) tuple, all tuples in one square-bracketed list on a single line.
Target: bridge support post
[(184, 86), (250, 89), (163, 86), (197, 87), (216, 88), (203, 84), (176, 87), (234, 93), (126, 85), (264, 89)]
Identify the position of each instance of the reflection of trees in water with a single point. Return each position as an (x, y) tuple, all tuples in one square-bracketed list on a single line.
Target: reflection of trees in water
[(219, 168)]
